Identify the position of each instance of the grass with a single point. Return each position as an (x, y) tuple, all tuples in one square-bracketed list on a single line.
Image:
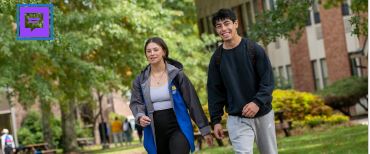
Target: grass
[(134, 148), (324, 140), (336, 140)]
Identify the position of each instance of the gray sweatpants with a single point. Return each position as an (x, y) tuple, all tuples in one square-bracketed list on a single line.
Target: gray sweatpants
[(243, 131)]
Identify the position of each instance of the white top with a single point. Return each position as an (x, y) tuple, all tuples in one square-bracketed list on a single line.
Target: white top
[(8, 139), (160, 97)]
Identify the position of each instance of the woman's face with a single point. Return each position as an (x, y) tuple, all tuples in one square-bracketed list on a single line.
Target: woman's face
[(154, 53)]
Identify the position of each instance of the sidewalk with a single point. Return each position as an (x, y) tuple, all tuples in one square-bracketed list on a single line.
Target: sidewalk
[(362, 119)]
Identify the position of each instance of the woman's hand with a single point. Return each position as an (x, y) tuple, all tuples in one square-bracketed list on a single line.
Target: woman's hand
[(144, 121), (209, 139)]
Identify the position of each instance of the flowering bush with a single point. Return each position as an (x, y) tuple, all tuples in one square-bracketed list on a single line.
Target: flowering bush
[(304, 108)]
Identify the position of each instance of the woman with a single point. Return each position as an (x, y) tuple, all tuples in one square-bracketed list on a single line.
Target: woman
[(162, 98)]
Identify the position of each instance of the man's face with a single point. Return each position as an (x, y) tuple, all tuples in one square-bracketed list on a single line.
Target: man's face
[(226, 29)]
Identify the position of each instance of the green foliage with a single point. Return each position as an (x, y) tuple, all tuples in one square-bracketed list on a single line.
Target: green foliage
[(359, 19), (338, 140), (345, 92), (313, 121), (83, 132), (337, 119), (109, 52), (288, 16), (31, 129), (303, 108), (98, 46), (296, 105), (348, 87), (112, 116)]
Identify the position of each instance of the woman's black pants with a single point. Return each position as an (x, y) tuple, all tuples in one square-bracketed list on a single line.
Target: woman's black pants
[(169, 137)]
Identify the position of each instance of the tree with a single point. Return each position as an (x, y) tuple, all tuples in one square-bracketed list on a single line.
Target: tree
[(345, 93), (291, 16), (359, 19), (98, 46)]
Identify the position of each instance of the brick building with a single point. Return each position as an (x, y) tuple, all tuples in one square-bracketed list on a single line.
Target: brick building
[(11, 117), (325, 53)]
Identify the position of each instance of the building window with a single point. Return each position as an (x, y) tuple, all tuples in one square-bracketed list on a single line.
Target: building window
[(238, 12), (205, 25), (324, 72), (250, 14), (345, 8), (308, 18), (281, 72), (316, 74), (347, 25), (255, 6), (201, 26), (356, 66), (316, 14), (272, 5), (281, 78), (210, 25), (277, 44), (265, 5), (289, 76), (318, 31)]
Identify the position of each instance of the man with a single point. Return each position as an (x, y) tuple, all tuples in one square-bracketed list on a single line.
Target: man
[(240, 79), (117, 131), (7, 142)]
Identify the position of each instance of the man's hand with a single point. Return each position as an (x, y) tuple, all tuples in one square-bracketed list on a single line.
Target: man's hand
[(144, 121), (250, 110), (218, 131), (209, 139)]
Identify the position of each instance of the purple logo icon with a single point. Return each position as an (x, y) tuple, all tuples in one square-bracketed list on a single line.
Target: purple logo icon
[(35, 22)]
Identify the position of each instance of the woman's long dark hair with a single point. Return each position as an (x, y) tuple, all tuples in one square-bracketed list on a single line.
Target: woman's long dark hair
[(163, 45)]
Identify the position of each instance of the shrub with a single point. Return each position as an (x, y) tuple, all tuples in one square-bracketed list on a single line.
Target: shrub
[(304, 108), (296, 105), (345, 93), (313, 121), (337, 119), (31, 129)]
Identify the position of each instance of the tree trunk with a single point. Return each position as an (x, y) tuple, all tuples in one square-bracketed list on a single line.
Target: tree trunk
[(69, 142), (362, 105), (345, 111), (47, 116)]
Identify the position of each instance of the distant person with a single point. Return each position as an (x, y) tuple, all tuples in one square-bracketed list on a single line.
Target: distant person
[(139, 130), (127, 131), (163, 100), (7, 142), (117, 131)]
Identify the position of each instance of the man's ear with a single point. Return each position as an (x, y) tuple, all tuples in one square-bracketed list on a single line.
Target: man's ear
[(236, 23)]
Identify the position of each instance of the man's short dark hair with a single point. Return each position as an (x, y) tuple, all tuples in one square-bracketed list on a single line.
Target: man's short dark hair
[(223, 14)]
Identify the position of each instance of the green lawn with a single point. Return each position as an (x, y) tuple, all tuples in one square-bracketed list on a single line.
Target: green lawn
[(326, 140), (338, 140)]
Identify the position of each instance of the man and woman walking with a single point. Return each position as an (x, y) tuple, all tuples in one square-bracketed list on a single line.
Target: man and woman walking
[(240, 80)]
